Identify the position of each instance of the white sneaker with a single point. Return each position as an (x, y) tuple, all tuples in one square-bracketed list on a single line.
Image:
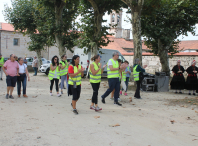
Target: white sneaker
[(119, 99), (58, 95), (51, 94), (112, 98)]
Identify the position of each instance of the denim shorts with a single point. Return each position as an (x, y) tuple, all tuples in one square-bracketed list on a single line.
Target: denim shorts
[(11, 81)]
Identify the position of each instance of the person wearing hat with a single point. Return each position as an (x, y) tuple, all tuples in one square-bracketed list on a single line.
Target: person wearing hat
[(191, 83), (178, 81), (1, 66), (35, 65)]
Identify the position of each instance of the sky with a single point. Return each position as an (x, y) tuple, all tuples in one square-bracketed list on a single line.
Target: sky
[(125, 24)]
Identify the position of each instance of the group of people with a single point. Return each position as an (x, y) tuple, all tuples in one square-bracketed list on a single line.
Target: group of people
[(178, 81), (16, 72)]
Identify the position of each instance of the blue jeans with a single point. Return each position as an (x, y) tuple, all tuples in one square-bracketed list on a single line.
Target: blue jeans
[(127, 83), (23, 84), (64, 78), (114, 83), (35, 70)]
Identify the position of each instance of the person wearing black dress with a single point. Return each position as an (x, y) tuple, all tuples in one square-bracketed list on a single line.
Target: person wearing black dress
[(191, 83), (178, 81)]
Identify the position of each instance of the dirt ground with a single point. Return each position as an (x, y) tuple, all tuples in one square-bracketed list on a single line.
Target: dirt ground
[(43, 120)]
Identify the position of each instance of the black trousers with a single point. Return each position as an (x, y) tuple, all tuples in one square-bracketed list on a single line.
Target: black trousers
[(95, 87), (52, 83), (137, 92)]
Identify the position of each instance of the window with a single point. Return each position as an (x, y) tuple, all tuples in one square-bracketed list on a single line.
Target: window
[(16, 42)]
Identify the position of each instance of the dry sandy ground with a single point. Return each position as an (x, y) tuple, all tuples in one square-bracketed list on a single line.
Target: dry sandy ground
[(47, 120)]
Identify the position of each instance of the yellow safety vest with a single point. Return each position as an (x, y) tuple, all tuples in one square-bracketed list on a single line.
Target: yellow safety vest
[(136, 74), (1, 61), (95, 78), (65, 70), (123, 76), (77, 78), (113, 74), (52, 73)]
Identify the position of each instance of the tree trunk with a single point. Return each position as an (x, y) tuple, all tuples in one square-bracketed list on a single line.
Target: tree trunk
[(164, 58), (59, 5), (38, 52), (136, 30)]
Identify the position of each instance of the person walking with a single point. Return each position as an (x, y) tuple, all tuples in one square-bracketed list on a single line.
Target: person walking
[(54, 74), (11, 72), (178, 81), (1, 66), (136, 70), (35, 65), (95, 79), (191, 82), (22, 78), (63, 71), (76, 72), (126, 76), (25, 60), (113, 71)]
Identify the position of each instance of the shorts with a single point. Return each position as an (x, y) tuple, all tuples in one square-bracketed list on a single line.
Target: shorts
[(75, 92), (11, 81)]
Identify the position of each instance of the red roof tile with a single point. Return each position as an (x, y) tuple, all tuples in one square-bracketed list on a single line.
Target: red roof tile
[(6, 27)]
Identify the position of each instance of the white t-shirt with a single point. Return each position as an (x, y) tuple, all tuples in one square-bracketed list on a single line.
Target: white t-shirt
[(22, 68), (110, 62)]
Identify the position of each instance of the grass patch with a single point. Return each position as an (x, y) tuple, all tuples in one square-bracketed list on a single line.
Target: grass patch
[(184, 102)]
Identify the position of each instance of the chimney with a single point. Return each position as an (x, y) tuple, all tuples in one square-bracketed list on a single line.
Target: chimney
[(126, 34)]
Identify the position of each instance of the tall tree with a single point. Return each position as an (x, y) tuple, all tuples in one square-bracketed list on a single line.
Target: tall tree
[(164, 22), (94, 35), (136, 9)]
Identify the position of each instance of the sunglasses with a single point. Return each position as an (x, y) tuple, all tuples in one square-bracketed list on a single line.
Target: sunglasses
[(55, 59), (14, 56)]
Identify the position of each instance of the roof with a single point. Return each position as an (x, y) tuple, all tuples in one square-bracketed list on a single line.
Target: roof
[(6, 27), (120, 43)]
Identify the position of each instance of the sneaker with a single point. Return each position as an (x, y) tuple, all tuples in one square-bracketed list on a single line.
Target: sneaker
[(11, 97), (92, 107), (119, 99), (194, 94), (189, 93), (176, 92), (25, 95), (64, 88), (117, 103), (125, 94), (112, 98), (103, 100), (51, 94), (120, 92), (1, 79), (98, 109), (180, 92), (58, 95), (75, 111), (7, 96), (61, 92)]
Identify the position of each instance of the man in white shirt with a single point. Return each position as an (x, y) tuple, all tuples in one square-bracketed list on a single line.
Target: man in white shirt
[(35, 65)]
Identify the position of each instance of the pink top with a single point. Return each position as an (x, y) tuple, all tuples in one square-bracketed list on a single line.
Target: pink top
[(11, 67)]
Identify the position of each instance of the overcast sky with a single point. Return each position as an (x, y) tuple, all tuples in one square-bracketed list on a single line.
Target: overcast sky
[(125, 25)]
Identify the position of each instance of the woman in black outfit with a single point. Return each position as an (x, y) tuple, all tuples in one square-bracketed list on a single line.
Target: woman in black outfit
[(191, 83), (178, 81)]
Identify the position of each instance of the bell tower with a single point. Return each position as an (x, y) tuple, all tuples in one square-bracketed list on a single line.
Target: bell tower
[(116, 19)]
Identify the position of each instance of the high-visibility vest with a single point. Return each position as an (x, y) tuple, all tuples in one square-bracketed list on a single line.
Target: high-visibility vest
[(77, 78), (52, 73), (123, 76), (97, 77), (113, 74), (65, 70), (1, 61), (135, 74)]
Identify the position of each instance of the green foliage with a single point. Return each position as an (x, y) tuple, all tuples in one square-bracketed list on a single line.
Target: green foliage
[(166, 20), (94, 35)]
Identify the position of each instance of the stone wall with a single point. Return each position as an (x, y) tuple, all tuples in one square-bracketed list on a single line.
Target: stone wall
[(154, 65)]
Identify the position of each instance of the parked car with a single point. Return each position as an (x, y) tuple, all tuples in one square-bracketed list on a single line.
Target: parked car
[(45, 68), (30, 60)]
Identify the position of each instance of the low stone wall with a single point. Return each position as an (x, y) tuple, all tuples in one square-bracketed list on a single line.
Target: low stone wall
[(154, 65)]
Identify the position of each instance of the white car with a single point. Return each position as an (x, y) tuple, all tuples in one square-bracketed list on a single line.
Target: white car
[(45, 68), (30, 60)]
